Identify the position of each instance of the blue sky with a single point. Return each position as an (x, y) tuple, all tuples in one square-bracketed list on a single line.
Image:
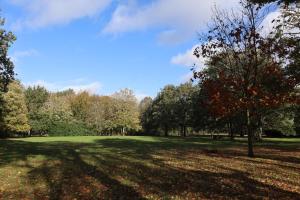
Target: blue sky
[(106, 45)]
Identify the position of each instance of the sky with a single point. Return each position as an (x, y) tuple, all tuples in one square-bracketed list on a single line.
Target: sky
[(105, 45)]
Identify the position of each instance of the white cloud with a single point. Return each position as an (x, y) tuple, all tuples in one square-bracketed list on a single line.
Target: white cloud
[(188, 59), (181, 19), (42, 13), (17, 55), (77, 86), (140, 96), (267, 25)]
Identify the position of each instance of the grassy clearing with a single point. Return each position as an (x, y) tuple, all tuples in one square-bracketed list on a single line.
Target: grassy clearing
[(147, 168)]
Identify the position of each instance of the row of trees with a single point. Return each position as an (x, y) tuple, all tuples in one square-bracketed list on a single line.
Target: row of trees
[(35, 110), (182, 110)]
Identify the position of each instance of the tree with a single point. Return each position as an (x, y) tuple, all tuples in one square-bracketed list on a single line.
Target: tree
[(127, 113), (280, 120), (145, 114), (80, 105), (36, 97), (15, 118), (285, 2), (164, 108), (102, 114), (297, 121), (6, 65), (250, 73), (58, 107), (184, 106)]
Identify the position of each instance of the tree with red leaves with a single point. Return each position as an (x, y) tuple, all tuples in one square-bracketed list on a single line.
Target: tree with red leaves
[(246, 70)]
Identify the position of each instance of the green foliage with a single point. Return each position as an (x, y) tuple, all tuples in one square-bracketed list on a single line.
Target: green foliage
[(281, 119), (6, 65), (297, 120), (15, 113), (69, 128), (80, 105), (36, 97), (145, 109), (127, 113)]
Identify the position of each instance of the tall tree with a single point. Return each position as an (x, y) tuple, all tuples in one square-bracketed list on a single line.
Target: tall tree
[(80, 105), (36, 97), (6, 65), (249, 67), (297, 121), (164, 108), (127, 114), (15, 119), (145, 114), (184, 105), (102, 114)]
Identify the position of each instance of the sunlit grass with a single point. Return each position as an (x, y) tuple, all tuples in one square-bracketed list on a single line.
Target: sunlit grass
[(147, 167)]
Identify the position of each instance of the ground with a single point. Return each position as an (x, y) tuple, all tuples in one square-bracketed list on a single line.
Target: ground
[(147, 168)]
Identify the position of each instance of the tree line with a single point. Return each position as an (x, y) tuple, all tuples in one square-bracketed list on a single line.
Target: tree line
[(36, 111), (181, 111)]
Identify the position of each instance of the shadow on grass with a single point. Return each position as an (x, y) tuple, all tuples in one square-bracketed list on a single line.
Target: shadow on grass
[(128, 169)]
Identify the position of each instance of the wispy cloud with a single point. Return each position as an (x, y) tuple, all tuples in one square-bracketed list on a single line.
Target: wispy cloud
[(188, 59), (17, 55), (179, 19), (41, 13)]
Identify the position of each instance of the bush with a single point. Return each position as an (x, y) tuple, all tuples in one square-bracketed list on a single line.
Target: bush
[(273, 133), (61, 128)]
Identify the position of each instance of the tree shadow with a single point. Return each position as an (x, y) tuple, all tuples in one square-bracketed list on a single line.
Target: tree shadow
[(131, 169)]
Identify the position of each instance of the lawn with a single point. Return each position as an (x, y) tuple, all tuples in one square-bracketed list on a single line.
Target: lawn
[(147, 168)]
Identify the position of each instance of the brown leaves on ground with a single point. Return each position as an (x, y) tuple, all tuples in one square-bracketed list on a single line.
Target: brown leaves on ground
[(113, 170)]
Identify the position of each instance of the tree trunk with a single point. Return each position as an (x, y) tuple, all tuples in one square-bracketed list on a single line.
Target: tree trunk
[(230, 130), (260, 131), (166, 131), (250, 135), (242, 131), (184, 131)]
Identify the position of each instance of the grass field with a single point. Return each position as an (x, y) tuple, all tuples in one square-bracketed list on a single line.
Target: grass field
[(147, 168)]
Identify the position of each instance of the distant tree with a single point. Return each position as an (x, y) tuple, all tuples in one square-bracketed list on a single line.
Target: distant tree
[(15, 119), (145, 104), (80, 106), (127, 114), (184, 106), (280, 120), (253, 75), (36, 97), (102, 114), (164, 109), (56, 117), (145, 110), (58, 106), (297, 121)]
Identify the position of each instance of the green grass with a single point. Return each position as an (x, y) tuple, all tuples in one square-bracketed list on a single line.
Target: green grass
[(147, 168)]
